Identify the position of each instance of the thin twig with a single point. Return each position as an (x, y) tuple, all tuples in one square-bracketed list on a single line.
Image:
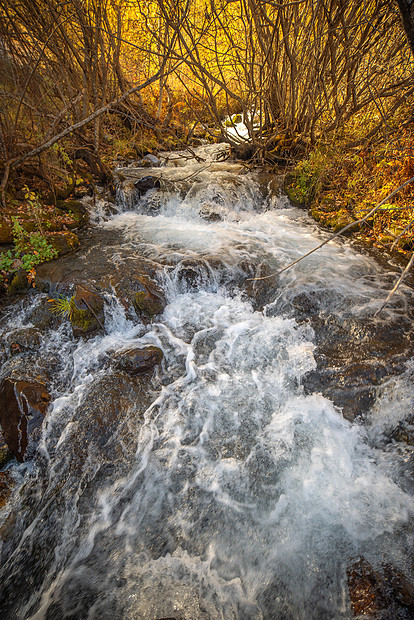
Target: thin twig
[(91, 310), (397, 284), (340, 232)]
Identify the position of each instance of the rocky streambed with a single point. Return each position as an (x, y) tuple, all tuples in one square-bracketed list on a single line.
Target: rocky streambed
[(188, 440)]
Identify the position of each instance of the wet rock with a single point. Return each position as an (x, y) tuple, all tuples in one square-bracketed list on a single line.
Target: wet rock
[(63, 242), (143, 185), (404, 432), (42, 316), (149, 300), (109, 417), (194, 273), (351, 387), (6, 486), (23, 405), (88, 311), (348, 353), (209, 213), (261, 292), (26, 338), (102, 261), (366, 590), (5, 454), (379, 594), (136, 361), (18, 282)]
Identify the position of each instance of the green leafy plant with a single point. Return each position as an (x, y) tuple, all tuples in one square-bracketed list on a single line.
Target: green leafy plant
[(66, 307), (63, 306), (309, 173), (30, 250)]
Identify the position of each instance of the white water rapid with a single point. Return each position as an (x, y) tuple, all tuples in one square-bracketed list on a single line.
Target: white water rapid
[(243, 493)]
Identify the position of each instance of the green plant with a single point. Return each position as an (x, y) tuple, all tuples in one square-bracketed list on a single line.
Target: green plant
[(63, 306), (30, 249), (309, 174), (66, 308)]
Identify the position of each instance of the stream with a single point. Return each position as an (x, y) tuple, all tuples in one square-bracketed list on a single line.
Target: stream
[(267, 454)]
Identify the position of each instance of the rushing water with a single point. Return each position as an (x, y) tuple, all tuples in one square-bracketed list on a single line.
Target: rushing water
[(242, 493)]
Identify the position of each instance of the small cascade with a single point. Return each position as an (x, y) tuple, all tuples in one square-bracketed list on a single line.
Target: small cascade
[(227, 446)]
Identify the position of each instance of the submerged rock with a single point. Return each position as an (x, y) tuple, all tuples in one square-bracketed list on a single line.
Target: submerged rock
[(23, 405), (108, 418), (375, 594), (6, 486), (136, 361), (210, 213), (194, 273), (24, 339), (149, 300)]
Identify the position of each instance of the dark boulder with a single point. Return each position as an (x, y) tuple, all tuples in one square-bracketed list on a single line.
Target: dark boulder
[(148, 299), (23, 405), (137, 361), (146, 183), (384, 593)]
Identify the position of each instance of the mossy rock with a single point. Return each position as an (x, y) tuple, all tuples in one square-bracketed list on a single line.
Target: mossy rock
[(88, 312), (77, 209), (149, 300), (147, 305), (19, 282), (6, 233), (295, 193), (83, 322), (63, 242)]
